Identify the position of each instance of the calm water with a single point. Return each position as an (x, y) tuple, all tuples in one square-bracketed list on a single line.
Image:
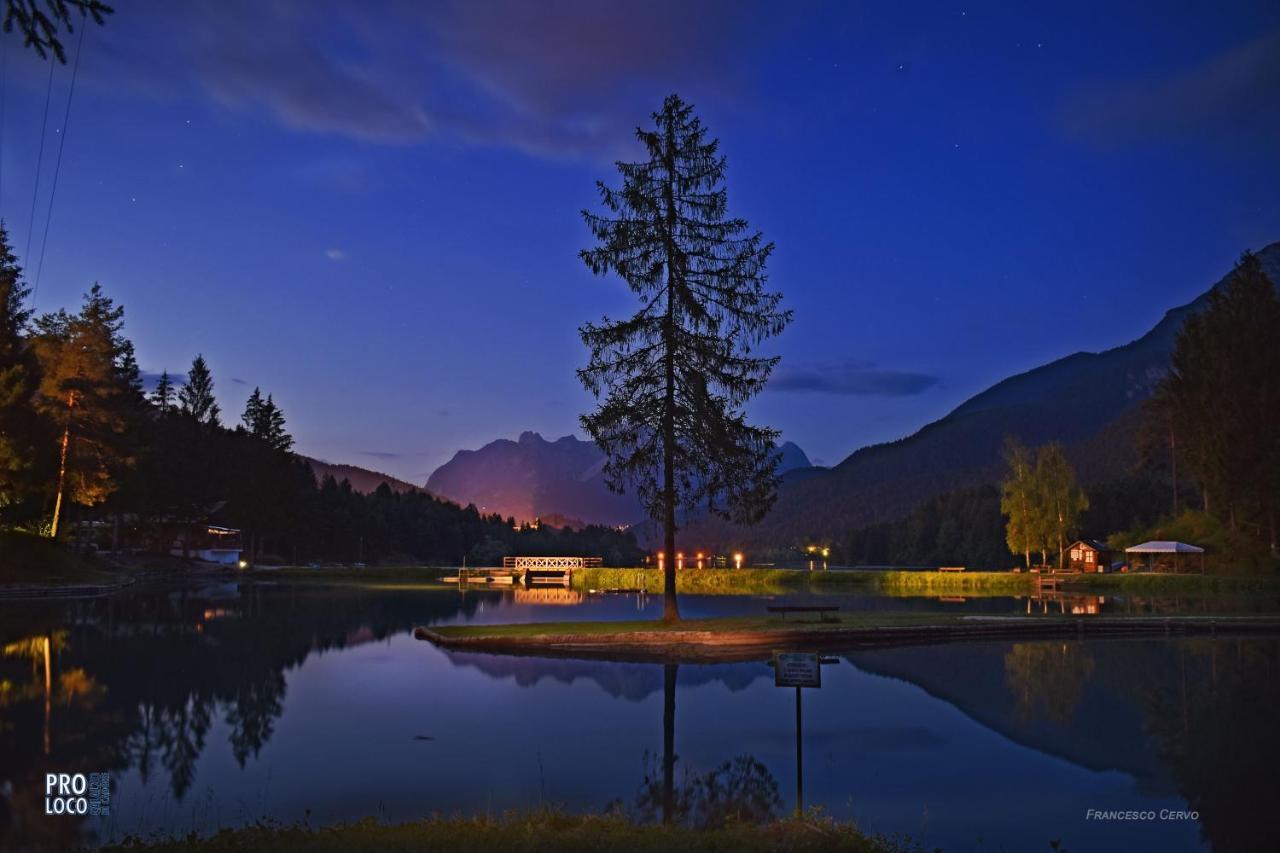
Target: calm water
[(215, 706)]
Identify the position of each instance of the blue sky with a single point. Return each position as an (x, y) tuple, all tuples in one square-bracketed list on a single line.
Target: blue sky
[(372, 210)]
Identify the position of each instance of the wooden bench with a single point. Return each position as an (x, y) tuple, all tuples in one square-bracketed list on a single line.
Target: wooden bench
[(951, 568), (823, 610)]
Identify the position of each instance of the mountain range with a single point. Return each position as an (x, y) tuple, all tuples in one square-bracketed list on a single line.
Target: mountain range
[(561, 480), (361, 479), (1088, 401)]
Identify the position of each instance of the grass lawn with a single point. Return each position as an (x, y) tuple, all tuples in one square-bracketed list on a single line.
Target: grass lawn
[(535, 833), (28, 559)]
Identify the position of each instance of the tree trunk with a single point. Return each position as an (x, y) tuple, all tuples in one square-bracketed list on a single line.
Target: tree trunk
[(669, 672), (62, 467), (670, 606)]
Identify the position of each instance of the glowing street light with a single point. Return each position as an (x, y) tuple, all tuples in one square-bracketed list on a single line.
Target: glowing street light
[(737, 560), (680, 561), (699, 559)]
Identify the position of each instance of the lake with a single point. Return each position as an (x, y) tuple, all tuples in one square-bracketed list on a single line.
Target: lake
[(212, 706)]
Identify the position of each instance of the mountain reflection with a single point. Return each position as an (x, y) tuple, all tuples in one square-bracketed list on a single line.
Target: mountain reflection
[(149, 681), (634, 682)]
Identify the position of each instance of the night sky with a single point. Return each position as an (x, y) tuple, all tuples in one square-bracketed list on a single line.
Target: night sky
[(372, 210)]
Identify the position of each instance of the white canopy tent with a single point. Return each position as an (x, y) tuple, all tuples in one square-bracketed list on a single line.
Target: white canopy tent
[(1153, 550)]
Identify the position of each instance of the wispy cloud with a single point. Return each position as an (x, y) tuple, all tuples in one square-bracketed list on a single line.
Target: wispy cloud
[(335, 254), (1231, 94), (381, 454), (851, 378), (552, 79)]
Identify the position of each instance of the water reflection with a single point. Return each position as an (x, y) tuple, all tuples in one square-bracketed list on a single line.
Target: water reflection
[(211, 706), (1048, 678)]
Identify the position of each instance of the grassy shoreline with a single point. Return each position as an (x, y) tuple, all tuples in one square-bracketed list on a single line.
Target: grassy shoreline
[(901, 582), (32, 563), (536, 832), (30, 560), (753, 638)]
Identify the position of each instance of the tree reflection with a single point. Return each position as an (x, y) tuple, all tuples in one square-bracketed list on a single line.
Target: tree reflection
[(253, 713), (1048, 679), (138, 680), (1214, 723), (741, 789)]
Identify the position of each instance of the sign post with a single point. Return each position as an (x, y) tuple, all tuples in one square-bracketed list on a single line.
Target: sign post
[(798, 670)]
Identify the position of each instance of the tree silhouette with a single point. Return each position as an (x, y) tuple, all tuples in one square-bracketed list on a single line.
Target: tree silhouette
[(19, 427), (41, 22), (163, 396), (1221, 399), (675, 375), (196, 397)]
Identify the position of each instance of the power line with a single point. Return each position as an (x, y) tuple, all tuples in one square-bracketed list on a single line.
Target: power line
[(44, 129), (57, 166)]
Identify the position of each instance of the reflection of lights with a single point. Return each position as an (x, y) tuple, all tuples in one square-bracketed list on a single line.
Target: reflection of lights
[(699, 559), (737, 560), (679, 560)]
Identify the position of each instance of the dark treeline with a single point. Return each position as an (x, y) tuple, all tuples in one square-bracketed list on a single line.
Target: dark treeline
[(1214, 416), (967, 528), (85, 451)]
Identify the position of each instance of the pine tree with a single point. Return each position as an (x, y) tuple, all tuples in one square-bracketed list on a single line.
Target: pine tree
[(89, 382), (676, 375), (265, 421), (1223, 401), (18, 379), (162, 397), (196, 398), (252, 417), (275, 433)]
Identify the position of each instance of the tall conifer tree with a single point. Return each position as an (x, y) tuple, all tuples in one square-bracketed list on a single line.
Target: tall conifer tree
[(674, 377), (1222, 398), (196, 397), (163, 396), (88, 386), (18, 376)]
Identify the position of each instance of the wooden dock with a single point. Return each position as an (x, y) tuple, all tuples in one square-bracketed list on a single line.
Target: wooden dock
[(529, 572)]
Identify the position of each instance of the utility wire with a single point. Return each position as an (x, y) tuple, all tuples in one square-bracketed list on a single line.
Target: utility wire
[(44, 128), (57, 166)]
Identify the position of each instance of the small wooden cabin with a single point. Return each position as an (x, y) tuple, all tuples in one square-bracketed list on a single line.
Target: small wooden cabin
[(1088, 555)]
